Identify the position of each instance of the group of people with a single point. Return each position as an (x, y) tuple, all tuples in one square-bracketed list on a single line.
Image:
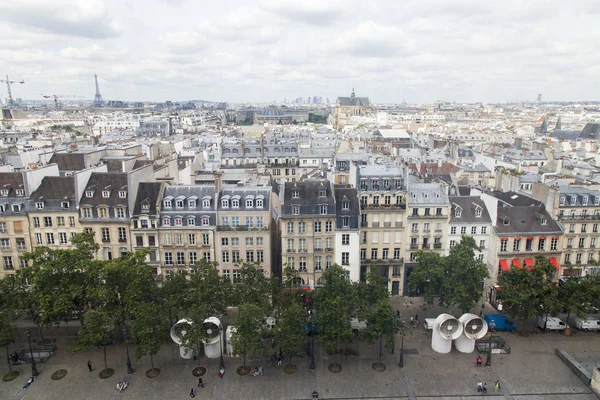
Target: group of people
[(482, 387), (277, 359), (122, 385), (14, 359), (255, 371)]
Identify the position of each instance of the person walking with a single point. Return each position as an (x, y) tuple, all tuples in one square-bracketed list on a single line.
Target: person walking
[(273, 343), (201, 382), (192, 393), (484, 389), (497, 386), (90, 365)]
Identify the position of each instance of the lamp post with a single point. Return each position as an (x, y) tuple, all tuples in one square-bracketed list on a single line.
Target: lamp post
[(34, 371), (488, 360), (401, 360), (312, 354)]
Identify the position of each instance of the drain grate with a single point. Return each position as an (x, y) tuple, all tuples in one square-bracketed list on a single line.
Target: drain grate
[(411, 351)]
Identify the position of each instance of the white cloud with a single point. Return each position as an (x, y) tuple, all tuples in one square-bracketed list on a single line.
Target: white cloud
[(313, 12)]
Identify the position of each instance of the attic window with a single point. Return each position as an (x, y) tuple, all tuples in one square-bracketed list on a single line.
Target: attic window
[(20, 192), (2, 208), (146, 207), (192, 203), (206, 203), (106, 194), (345, 205), (573, 200), (4, 192), (16, 207), (478, 212), (39, 205), (122, 194), (425, 195), (437, 195), (597, 200), (562, 200), (458, 213), (322, 193), (259, 203), (544, 221), (295, 194), (64, 204), (89, 193), (505, 222), (167, 203)]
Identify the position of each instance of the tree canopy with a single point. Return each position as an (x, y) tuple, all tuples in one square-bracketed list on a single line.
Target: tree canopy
[(248, 330)]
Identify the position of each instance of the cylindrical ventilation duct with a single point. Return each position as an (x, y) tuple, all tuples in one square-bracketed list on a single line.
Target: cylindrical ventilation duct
[(473, 328), (445, 329), (177, 333), (213, 341)]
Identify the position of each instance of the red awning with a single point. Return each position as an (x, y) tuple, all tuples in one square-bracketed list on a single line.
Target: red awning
[(529, 263), (504, 265), (554, 262), (517, 263)]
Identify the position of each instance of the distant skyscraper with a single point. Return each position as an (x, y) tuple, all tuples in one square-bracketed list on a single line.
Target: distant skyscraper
[(539, 98)]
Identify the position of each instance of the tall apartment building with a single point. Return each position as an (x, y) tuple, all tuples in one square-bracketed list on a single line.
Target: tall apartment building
[(383, 208), (188, 220), (347, 230), (243, 228), (145, 221), (469, 216), (579, 212), (14, 224), (307, 226), (428, 217)]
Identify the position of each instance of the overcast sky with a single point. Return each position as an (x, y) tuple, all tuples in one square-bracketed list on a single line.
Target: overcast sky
[(265, 50)]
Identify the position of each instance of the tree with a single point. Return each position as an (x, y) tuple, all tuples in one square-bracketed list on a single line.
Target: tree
[(248, 330), (174, 295), (253, 286), (527, 293), (335, 304), (289, 331), (148, 329), (7, 334), (97, 331), (577, 295), (457, 279)]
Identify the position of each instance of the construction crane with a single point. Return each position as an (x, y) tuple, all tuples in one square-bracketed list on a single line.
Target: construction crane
[(11, 103), (59, 96)]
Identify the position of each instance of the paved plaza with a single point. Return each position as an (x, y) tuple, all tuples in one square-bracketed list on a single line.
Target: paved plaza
[(531, 371)]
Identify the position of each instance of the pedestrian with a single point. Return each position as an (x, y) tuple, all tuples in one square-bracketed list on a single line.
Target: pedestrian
[(90, 365), (279, 361), (281, 354), (273, 343), (201, 382), (417, 318), (497, 386), (192, 393), (480, 386), (273, 359), (484, 389)]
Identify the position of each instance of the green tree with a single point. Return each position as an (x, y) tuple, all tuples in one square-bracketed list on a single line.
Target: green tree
[(335, 304), (174, 295), (528, 293), (457, 279), (148, 329), (289, 331), (7, 334), (249, 328), (576, 295), (97, 331), (253, 286)]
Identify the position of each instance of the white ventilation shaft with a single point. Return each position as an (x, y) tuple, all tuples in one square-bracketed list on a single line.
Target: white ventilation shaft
[(446, 328), (213, 341), (473, 328), (177, 333)]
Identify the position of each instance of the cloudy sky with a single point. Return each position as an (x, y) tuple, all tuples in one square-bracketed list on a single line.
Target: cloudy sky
[(265, 50)]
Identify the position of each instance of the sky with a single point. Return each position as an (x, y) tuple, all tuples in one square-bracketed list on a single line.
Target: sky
[(418, 51)]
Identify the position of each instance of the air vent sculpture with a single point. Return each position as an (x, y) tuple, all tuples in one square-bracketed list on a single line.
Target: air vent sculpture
[(177, 333), (213, 337), (473, 328), (445, 329)]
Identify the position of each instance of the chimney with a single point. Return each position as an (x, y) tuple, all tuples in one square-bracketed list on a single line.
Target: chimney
[(218, 181)]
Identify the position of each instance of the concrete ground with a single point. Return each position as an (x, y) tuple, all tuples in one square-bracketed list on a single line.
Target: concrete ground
[(530, 372)]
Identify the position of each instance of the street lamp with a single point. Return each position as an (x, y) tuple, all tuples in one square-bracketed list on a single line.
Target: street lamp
[(488, 360), (34, 371), (401, 360), (312, 355)]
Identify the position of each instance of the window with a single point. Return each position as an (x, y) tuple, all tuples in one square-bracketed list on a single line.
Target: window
[(259, 203), (328, 261), (250, 222), (38, 238), (235, 256), (373, 254), (5, 243), (573, 199), (295, 194), (179, 203), (237, 276), (36, 222), (179, 239), (2, 227), (60, 221), (458, 213), (178, 221), (193, 257), (89, 193), (122, 194), (302, 264), (167, 204), (87, 212), (583, 228), (290, 227), (581, 243), (414, 228), (103, 212), (463, 230), (62, 238), (385, 254), (259, 241), (597, 200), (122, 235), (235, 203), (554, 243), (249, 241), (578, 258), (290, 262), (168, 258), (544, 221), (39, 205), (478, 212), (64, 204), (105, 235), (49, 238), (180, 258), (250, 256), (225, 256), (235, 241), (260, 255), (517, 245), (453, 230), (480, 257), (225, 221), (224, 241), (345, 258), (503, 245), (346, 205), (346, 239), (166, 221), (106, 194), (452, 244), (235, 222), (145, 207), (16, 207), (260, 222), (484, 230), (120, 212), (473, 230), (205, 238), (8, 263), (571, 228), (205, 203), (567, 257), (20, 192), (295, 210), (302, 244), (329, 226), (249, 203), (225, 203), (290, 245), (301, 227), (323, 210), (529, 244), (317, 227), (396, 254)]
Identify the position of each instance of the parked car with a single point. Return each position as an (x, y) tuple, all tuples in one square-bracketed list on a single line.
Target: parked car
[(551, 324), (501, 322), (587, 324)]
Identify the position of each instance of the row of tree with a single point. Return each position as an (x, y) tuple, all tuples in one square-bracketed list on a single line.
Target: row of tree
[(121, 297)]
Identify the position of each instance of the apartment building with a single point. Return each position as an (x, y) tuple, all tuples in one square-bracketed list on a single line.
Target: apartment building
[(347, 231), (307, 226), (14, 224), (52, 212), (427, 226), (243, 231), (579, 212), (469, 216), (188, 221), (383, 208), (145, 221)]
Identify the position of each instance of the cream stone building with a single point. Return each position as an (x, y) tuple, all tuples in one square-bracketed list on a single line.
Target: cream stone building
[(347, 107)]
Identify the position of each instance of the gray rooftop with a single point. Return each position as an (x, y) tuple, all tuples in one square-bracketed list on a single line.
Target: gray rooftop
[(427, 194)]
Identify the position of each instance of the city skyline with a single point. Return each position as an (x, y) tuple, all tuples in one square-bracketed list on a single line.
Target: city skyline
[(461, 50)]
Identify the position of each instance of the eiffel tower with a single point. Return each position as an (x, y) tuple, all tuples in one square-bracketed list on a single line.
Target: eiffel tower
[(98, 102)]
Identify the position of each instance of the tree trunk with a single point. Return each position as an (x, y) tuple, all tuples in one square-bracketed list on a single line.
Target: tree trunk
[(523, 325), (380, 338), (8, 358), (105, 364), (152, 361), (244, 360), (41, 333), (568, 316), (198, 355)]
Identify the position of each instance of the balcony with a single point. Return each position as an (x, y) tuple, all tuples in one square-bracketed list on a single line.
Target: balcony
[(302, 250), (387, 224), (579, 217), (414, 246), (425, 246), (438, 231), (437, 245), (364, 224), (569, 246), (123, 240), (318, 250), (382, 207), (291, 250), (240, 228), (430, 216), (329, 249), (382, 261)]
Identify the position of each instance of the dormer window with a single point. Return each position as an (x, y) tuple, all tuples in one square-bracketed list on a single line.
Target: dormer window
[(2, 208), (584, 201), (206, 203), (89, 193), (65, 204), (458, 213), (295, 194), (166, 221), (167, 204), (145, 207), (249, 203), (192, 203), (225, 203), (478, 212), (20, 192), (39, 205), (106, 194), (191, 221), (4, 192), (235, 203), (122, 194), (178, 221), (16, 207), (544, 221), (506, 222), (205, 221), (562, 200), (425, 195), (597, 200), (345, 205), (179, 203), (322, 193), (573, 200)]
